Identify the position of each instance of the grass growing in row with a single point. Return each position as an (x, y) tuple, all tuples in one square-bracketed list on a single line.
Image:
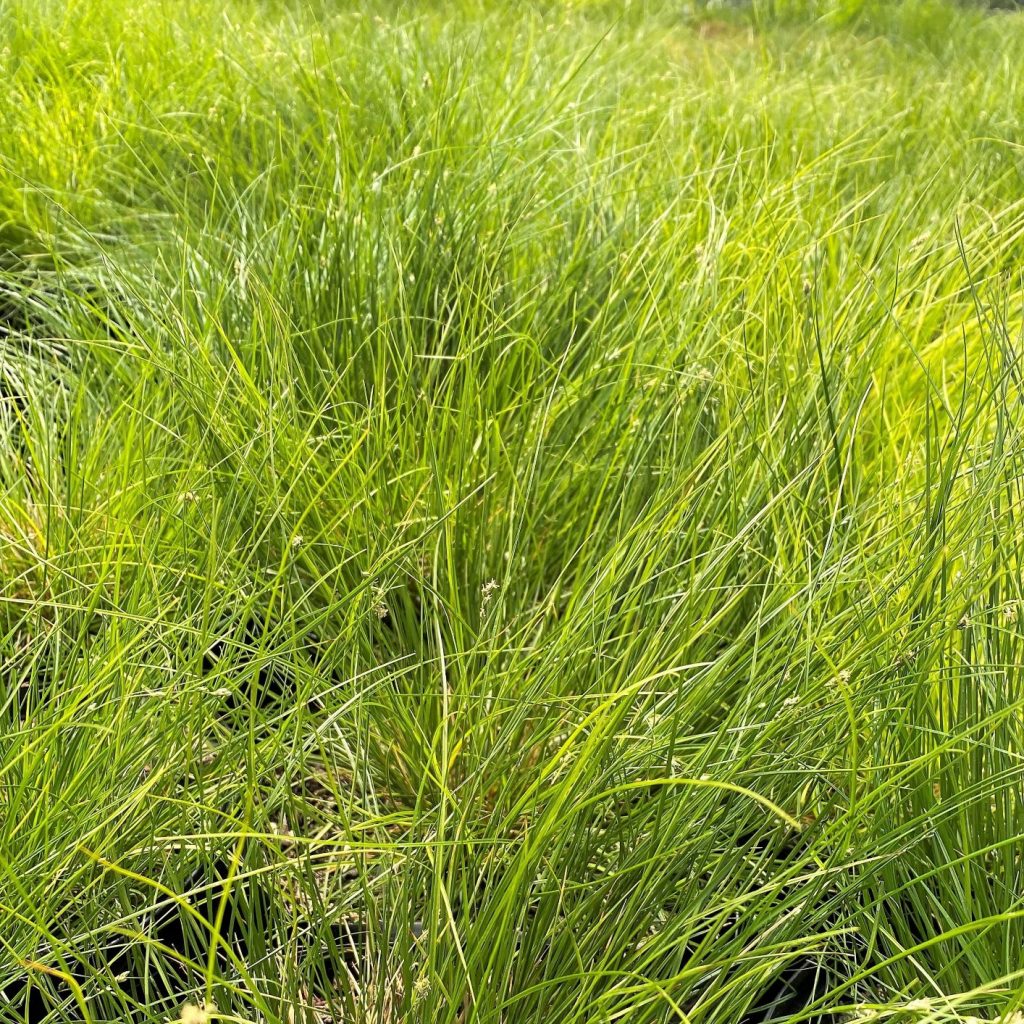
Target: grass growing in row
[(511, 515)]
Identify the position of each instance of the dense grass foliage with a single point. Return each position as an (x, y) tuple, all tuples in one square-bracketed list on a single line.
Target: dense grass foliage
[(511, 514)]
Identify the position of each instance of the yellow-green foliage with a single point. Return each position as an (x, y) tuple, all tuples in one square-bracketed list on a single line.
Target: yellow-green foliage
[(510, 513)]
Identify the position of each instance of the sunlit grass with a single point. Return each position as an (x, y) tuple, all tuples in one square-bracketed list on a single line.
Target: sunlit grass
[(511, 514)]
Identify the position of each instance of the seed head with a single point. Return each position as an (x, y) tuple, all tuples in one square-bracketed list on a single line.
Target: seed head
[(201, 1014)]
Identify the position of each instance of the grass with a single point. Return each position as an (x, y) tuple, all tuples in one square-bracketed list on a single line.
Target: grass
[(511, 513)]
